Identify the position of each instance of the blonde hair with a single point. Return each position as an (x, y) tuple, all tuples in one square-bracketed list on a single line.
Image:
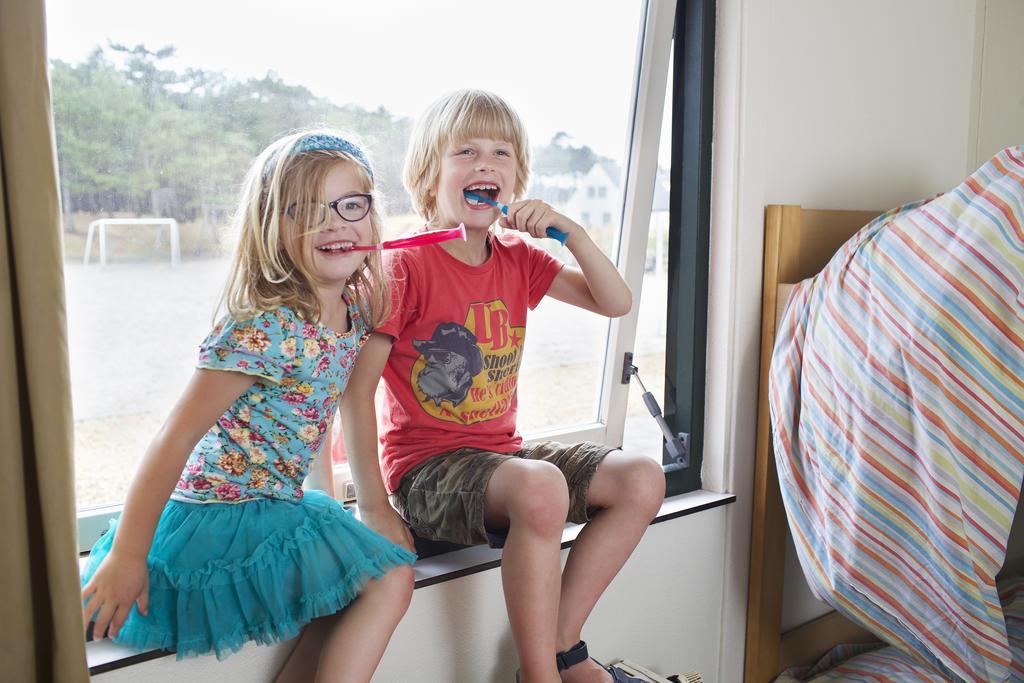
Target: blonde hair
[(270, 265), (449, 121)]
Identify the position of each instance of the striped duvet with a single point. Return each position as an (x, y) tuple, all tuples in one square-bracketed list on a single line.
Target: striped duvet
[(897, 407)]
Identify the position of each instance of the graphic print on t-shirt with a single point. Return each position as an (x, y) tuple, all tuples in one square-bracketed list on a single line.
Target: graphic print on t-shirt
[(468, 373), (452, 360)]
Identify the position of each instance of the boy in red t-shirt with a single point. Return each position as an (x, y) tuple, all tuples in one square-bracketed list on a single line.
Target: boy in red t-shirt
[(455, 463)]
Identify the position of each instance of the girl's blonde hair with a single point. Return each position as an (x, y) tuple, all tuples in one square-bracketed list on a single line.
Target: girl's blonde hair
[(270, 267), (449, 121)]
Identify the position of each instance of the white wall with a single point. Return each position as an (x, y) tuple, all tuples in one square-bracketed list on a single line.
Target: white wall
[(999, 115), (869, 102)]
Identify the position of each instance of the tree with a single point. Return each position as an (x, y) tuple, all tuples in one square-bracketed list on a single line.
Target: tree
[(559, 157), (99, 117), (138, 137)]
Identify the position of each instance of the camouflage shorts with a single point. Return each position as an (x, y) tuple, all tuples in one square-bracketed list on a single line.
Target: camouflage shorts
[(442, 499)]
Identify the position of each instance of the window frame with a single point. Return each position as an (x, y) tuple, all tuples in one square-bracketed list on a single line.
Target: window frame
[(689, 233), (689, 230)]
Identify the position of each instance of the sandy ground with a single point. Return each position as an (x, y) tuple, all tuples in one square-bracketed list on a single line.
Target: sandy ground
[(134, 330)]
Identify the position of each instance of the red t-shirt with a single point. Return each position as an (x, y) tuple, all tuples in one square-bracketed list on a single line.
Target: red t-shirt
[(458, 330)]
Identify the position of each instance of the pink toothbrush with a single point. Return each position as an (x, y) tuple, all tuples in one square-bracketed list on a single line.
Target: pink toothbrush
[(417, 239)]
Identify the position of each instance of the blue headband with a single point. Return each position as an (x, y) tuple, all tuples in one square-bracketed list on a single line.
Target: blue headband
[(326, 143)]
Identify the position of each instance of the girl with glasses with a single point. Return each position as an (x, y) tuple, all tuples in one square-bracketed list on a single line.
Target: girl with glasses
[(218, 543)]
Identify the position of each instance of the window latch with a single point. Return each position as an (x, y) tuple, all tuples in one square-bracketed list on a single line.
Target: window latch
[(677, 444)]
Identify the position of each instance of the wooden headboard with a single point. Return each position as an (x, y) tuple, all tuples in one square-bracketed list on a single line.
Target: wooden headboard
[(797, 244)]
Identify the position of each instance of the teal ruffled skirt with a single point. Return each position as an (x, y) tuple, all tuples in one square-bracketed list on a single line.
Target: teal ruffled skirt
[(223, 574)]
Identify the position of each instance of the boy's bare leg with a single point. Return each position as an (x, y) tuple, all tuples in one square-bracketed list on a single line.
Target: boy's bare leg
[(348, 646), (530, 498), (629, 489)]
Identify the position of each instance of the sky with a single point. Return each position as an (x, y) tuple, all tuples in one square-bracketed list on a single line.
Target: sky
[(565, 65)]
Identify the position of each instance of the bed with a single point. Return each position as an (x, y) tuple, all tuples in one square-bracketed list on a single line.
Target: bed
[(920, 445), (798, 243)]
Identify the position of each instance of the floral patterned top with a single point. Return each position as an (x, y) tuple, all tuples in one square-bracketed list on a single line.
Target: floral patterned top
[(265, 443)]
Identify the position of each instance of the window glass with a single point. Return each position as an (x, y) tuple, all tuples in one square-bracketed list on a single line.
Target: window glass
[(158, 114), (641, 433)]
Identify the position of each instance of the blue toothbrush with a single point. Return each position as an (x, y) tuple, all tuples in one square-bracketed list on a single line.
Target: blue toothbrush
[(552, 232)]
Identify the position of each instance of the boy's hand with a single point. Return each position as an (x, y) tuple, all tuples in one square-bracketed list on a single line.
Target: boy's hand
[(388, 524), (117, 584), (535, 217)]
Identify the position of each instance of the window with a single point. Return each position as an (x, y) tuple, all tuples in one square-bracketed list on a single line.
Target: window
[(670, 344), (155, 120)]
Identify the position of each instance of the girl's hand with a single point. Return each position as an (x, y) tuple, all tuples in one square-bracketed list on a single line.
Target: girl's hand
[(388, 524), (535, 217), (117, 584)]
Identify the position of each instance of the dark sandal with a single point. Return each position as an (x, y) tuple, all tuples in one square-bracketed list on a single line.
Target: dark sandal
[(573, 656), (578, 653), (566, 658), (620, 676)]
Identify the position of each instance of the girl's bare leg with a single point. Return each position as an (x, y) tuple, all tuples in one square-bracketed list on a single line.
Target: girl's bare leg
[(300, 667), (348, 646)]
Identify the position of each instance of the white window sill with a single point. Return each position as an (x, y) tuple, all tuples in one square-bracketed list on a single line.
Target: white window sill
[(105, 655)]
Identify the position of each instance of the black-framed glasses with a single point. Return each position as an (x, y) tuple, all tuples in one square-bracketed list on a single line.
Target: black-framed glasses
[(350, 208)]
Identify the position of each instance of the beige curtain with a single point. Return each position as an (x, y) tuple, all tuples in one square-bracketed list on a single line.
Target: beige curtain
[(42, 630)]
